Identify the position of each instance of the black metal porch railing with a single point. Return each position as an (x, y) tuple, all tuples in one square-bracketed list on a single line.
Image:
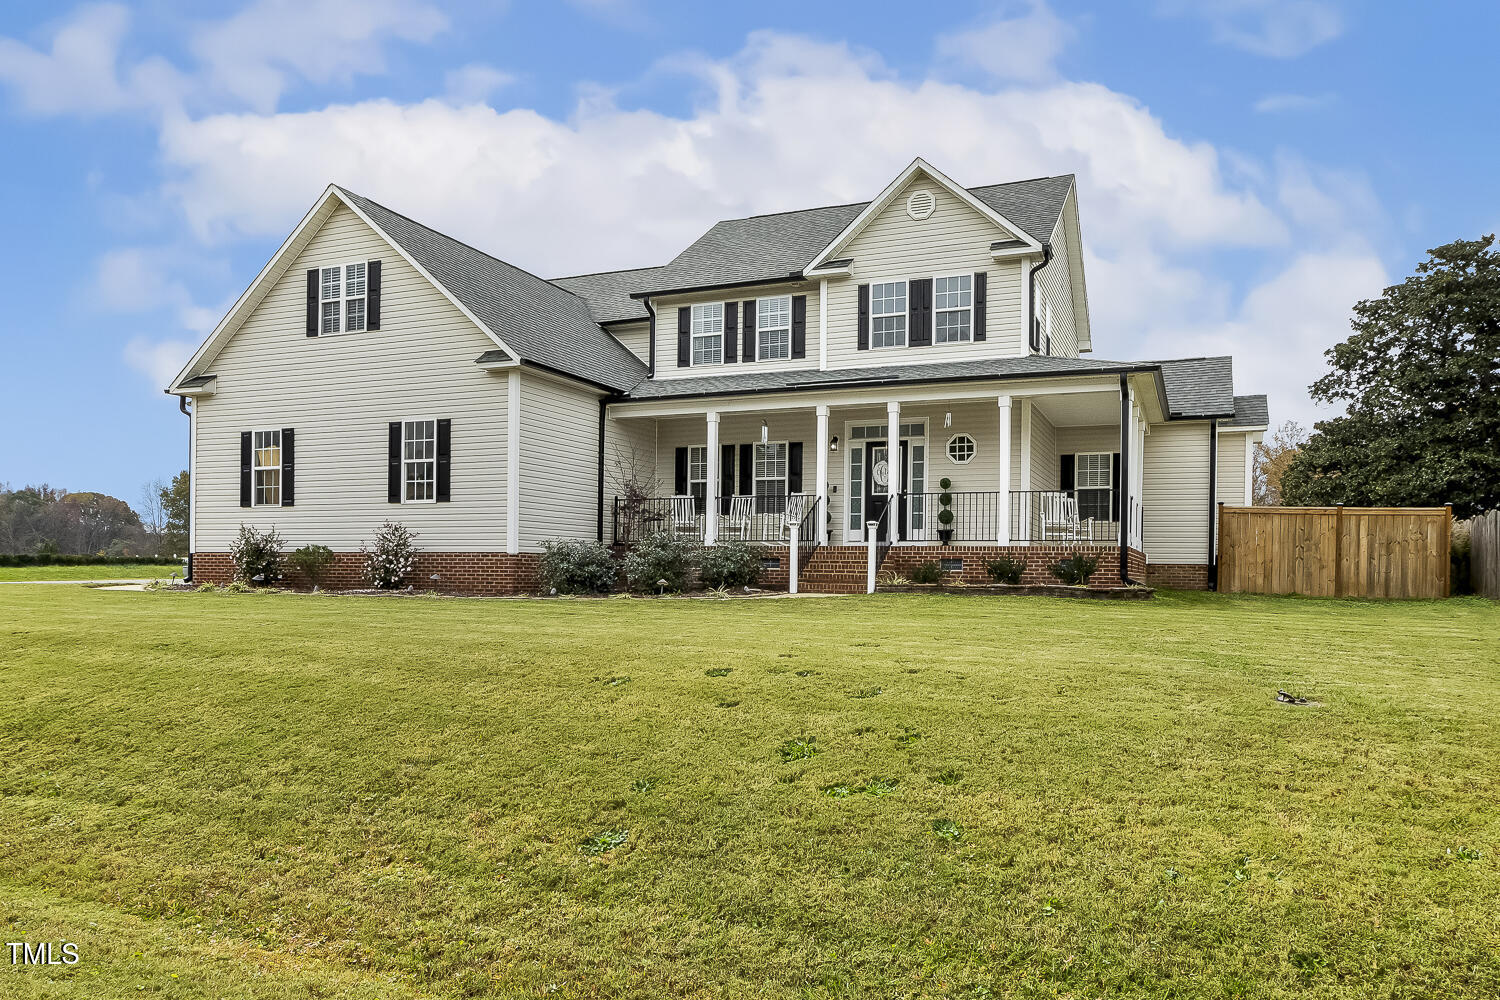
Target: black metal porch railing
[(766, 518), (967, 517), (1036, 517)]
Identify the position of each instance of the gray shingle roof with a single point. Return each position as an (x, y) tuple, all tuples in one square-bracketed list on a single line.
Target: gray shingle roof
[(1199, 387), (608, 292), (780, 246), (805, 378), (1249, 411), (544, 323)]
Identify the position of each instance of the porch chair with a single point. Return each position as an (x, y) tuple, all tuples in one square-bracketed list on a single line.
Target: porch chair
[(791, 518), (736, 523), (1060, 522), (685, 517)]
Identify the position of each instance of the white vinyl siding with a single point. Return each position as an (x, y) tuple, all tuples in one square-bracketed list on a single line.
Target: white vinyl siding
[(636, 337), (341, 393), (1231, 468), (559, 461), (1054, 292), (1176, 493), (666, 307)]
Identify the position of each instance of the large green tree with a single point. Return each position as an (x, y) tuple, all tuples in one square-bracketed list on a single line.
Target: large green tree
[(1420, 382), (174, 502)]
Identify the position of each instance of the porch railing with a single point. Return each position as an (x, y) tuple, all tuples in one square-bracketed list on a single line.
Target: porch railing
[(1084, 517), (765, 518)]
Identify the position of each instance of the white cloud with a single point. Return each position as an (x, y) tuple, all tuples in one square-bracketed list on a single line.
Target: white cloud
[(1279, 103), (141, 280), (476, 83), (159, 360), (1020, 43), (80, 71), (1277, 29)]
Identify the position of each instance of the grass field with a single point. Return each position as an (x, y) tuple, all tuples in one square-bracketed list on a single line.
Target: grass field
[(122, 571), (223, 795)]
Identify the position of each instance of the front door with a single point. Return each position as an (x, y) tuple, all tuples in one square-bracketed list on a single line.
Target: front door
[(878, 481)]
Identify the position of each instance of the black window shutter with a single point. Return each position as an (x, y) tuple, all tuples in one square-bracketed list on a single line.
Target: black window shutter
[(726, 476), (749, 334), (794, 467), (312, 302), (444, 459), (747, 469), (393, 458), (731, 332), (681, 484), (288, 467), (684, 337), (799, 326), (372, 295), (1066, 478), (919, 312), (244, 468), (1114, 483), (864, 317), (980, 281)]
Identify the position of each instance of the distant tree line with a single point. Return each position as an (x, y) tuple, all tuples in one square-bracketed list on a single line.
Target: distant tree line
[(45, 520)]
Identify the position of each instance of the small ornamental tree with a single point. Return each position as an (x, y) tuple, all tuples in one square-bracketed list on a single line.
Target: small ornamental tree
[(945, 510), (312, 561), (257, 556), (390, 559)]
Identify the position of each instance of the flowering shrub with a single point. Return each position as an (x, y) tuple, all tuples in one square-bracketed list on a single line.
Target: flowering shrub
[(257, 556), (391, 557)]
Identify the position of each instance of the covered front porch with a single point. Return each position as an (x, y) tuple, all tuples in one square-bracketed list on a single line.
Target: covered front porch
[(1052, 463)]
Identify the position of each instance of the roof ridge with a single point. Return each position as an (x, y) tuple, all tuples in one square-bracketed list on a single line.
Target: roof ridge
[(595, 274), (466, 246)]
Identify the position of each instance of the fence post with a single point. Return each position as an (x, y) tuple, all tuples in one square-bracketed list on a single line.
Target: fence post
[(1338, 550), (1448, 550), (1217, 566), (871, 527)]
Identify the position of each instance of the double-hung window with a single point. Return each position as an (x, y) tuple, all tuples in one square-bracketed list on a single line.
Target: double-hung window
[(267, 468), (708, 333), (773, 329), (888, 314), (697, 478), (419, 461), (953, 307), (770, 478), (341, 290), (1094, 478)]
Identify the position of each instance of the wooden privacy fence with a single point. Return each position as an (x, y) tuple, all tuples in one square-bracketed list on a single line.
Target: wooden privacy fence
[(1336, 551), (1484, 554)]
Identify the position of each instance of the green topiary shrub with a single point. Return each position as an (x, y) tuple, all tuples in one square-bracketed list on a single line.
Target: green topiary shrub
[(578, 567), (257, 556), (1005, 569), (387, 562), (927, 572), (312, 561), (730, 564), (1076, 570), (660, 562)]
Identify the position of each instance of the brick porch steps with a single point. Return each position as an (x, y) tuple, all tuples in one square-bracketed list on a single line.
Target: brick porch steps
[(834, 569)]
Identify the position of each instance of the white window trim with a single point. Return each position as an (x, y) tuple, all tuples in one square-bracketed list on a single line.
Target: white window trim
[(1047, 327), (903, 313), (965, 309), (756, 478), (722, 334), (1108, 477), (974, 448), (256, 467), (760, 341), (343, 300), (690, 480), (412, 461)]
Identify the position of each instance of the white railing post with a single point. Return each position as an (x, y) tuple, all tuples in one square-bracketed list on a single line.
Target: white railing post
[(871, 529), (795, 546)]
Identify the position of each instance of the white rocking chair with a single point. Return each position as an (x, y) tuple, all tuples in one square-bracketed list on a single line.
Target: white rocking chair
[(736, 523), (685, 517), (791, 518), (1060, 521)]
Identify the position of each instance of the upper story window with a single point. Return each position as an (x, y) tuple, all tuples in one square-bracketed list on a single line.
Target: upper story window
[(419, 461), (888, 314), (708, 333), (773, 329), (952, 306), (342, 298), (267, 468)]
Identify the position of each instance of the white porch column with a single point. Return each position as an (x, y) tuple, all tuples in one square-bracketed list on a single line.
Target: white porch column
[(1024, 501), (711, 488), (893, 463), (822, 466), (513, 461), (1002, 535)]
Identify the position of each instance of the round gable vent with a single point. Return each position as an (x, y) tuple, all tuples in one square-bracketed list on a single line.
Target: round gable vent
[(920, 204)]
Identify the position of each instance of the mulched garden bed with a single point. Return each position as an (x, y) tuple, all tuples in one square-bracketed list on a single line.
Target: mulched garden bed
[(1023, 590)]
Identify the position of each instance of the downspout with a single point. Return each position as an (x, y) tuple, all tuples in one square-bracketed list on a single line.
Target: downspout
[(1124, 500), (1031, 291), (599, 528), (182, 408), (1213, 503), (651, 339)]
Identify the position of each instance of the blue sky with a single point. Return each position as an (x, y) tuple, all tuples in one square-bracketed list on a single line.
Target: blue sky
[(1247, 168)]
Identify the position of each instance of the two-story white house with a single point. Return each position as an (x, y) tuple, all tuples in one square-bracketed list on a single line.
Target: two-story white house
[(910, 369)]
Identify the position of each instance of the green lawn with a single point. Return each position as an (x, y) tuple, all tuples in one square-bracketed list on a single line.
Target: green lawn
[(297, 796), (123, 571)]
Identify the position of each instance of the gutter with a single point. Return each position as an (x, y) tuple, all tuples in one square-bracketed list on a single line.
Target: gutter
[(599, 527), (1124, 499), (651, 340), (772, 280), (1031, 293)]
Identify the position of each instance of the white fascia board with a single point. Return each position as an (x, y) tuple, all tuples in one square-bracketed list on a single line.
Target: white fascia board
[(874, 208)]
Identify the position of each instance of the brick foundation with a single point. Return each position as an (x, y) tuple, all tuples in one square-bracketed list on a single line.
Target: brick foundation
[(486, 574), (1038, 558), (1177, 576)]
